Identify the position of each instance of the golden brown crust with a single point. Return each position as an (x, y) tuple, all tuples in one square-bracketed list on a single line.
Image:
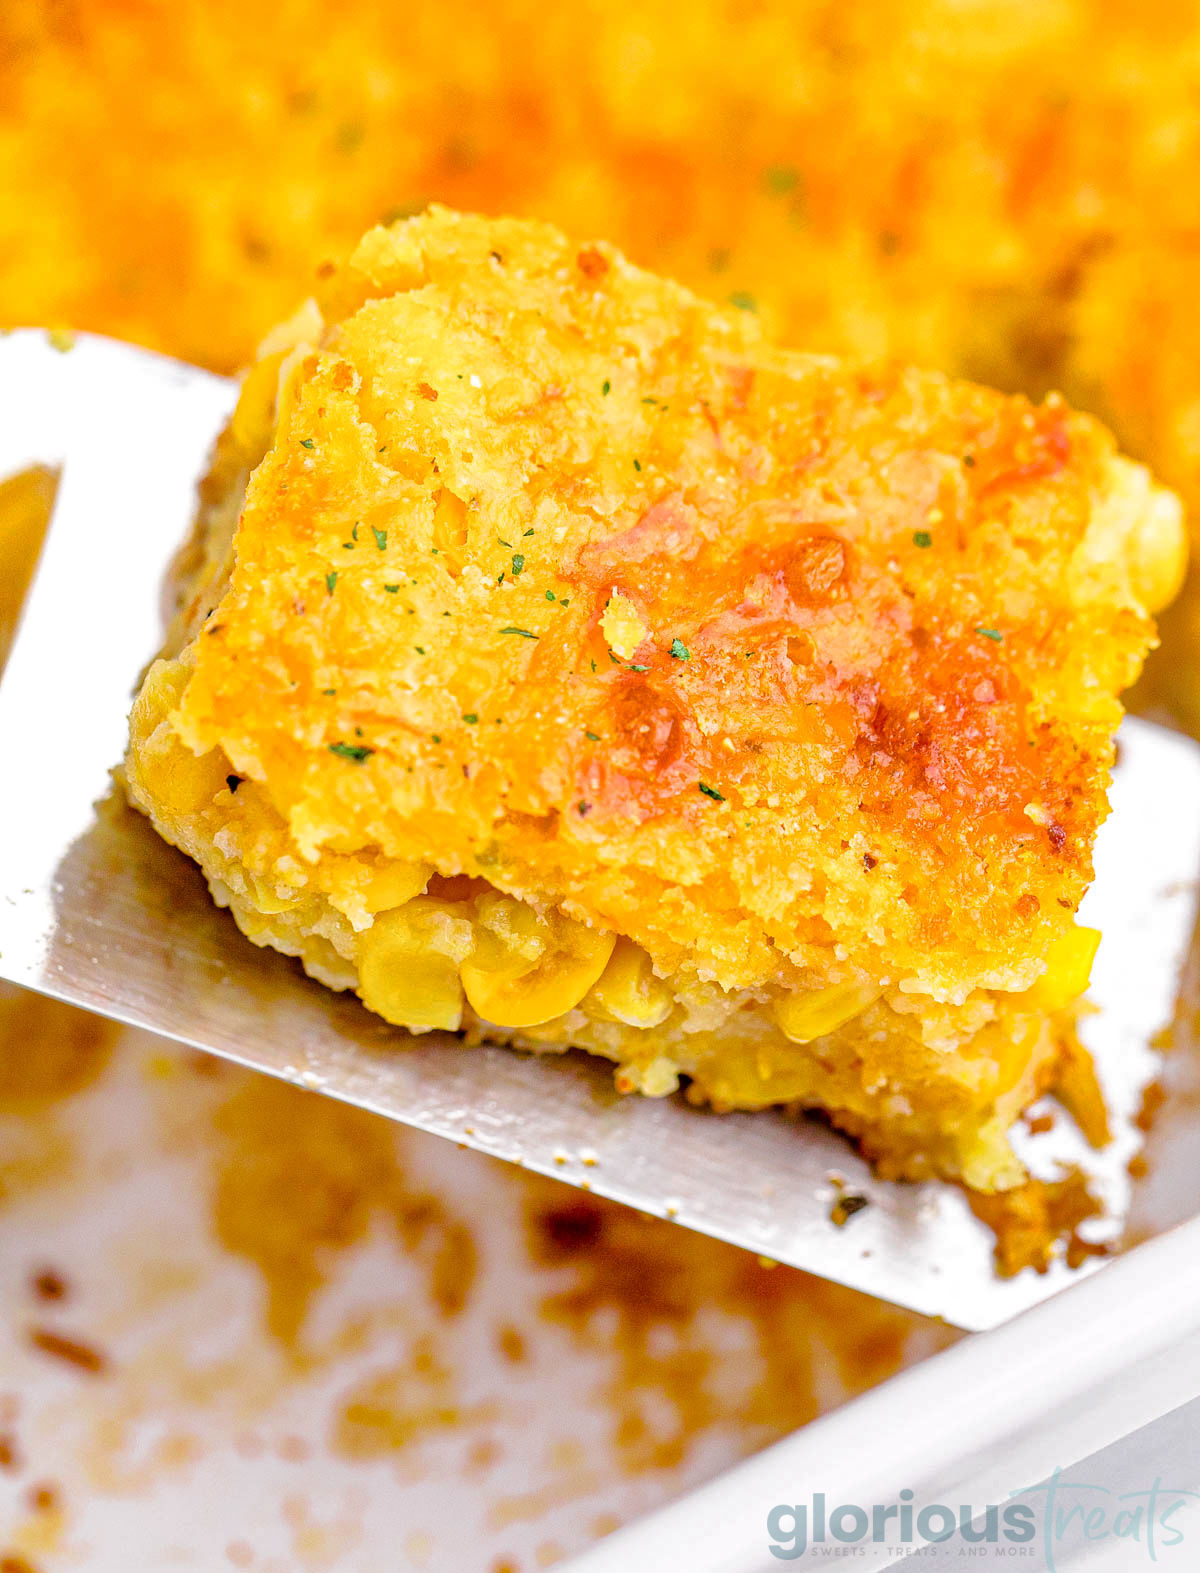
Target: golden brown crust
[(890, 735)]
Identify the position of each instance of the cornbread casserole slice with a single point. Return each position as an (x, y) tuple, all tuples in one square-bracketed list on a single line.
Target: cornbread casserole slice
[(560, 661)]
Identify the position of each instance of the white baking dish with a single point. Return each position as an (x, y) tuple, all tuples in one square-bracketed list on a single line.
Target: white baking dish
[(976, 1425)]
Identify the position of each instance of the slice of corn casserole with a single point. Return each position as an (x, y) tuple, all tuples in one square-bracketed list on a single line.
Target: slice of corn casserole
[(559, 661)]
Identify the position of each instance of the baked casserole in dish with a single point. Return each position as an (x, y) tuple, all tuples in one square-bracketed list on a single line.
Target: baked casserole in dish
[(559, 661)]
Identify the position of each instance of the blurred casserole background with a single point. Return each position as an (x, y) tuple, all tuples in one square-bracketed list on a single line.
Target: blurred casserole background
[(239, 1325)]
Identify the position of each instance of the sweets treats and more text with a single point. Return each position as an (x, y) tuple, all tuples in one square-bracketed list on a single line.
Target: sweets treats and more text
[(559, 659)]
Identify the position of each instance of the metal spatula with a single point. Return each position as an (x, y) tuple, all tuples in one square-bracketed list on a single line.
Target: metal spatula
[(95, 910)]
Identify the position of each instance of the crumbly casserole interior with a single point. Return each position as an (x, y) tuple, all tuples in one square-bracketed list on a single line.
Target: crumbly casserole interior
[(558, 660)]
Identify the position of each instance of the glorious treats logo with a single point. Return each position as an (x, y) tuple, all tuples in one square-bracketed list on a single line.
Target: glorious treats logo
[(1056, 1513)]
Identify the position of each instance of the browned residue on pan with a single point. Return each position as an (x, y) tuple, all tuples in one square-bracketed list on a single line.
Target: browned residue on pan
[(298, 1180), (654, 1292), (47, 1051), (1030, 1222)]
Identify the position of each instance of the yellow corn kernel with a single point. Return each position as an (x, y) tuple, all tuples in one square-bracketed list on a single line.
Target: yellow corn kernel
[(394, 884), (348, 843), (450, 529), (622, 625), (658, 1078), (408, 964), (159, 694), (1159, 555), (252, 923), (301, 330), (1068, 968), (988, 1162), (178, 781), (266, 898), (253, 420), (527, 969), (628, 990), (805, 1016)]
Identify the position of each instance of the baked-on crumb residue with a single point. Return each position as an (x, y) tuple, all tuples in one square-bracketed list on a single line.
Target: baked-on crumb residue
[(652, 1290), (299, 1179), (287, 1164), (72, 1351)]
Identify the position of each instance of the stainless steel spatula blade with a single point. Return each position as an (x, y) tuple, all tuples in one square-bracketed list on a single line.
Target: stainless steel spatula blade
[(95, 910)]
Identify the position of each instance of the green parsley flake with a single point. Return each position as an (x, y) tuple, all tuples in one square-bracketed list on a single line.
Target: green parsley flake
[(922, 538), (550, 595), (391, 588), (518, 563), (307, 442), (637, 464), (380, 538), (679, 650), (419, 648), (633, 667), (743, 300), (529, 531), (717, 797), (592, 737), (606, 387), (471, 718), (354, 531), (353, 751), (990, 633), (523, 632), (331, 580)]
